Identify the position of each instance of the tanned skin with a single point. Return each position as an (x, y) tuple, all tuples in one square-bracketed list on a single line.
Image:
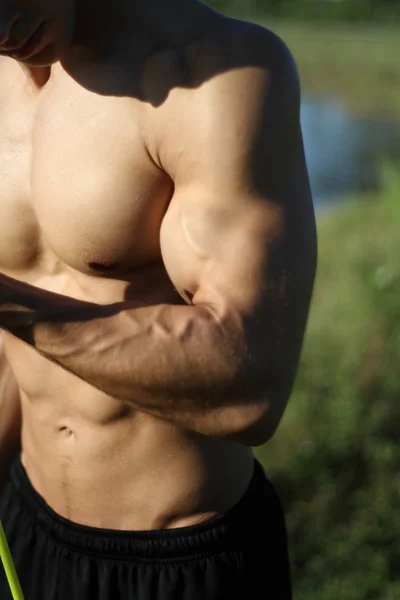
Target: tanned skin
[(158, 254)]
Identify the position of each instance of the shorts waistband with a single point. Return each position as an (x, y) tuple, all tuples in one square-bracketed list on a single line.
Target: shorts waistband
[(225, 532)]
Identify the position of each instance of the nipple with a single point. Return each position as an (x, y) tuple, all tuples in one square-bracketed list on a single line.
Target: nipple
[(103, 267)]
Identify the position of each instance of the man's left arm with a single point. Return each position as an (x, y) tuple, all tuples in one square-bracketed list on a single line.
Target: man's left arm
[(239, 240)]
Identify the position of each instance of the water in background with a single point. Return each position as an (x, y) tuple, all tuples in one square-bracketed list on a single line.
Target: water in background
[(344, 152)]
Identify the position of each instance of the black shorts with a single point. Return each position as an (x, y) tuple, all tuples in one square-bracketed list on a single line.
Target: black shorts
[(239, 554)]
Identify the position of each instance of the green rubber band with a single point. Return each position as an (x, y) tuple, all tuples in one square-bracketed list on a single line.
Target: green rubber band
[(9, 567)]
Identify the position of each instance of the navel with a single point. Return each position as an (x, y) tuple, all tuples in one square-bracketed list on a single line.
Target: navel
[(66, 431)]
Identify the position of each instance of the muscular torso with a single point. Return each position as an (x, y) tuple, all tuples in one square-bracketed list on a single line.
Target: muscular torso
[(82, 204)]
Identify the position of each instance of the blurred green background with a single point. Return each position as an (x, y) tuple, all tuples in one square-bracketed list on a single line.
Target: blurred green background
[(335, 460)]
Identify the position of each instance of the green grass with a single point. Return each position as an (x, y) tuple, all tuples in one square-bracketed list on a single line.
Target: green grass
[(336, 457), (358, 64)]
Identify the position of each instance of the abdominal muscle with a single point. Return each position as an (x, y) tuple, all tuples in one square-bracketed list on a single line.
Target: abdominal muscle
[(99, 462)]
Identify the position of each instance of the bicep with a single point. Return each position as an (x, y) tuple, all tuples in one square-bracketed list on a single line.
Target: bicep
[(216, 251), (251, 257), (238, 243)]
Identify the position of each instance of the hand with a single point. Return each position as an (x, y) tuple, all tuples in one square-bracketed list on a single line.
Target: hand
[(23, 305), (17, 305), (18, 295)]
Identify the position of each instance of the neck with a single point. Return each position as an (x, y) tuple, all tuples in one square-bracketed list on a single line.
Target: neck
[(38, 76), (160, 20), (99, 23), (97, 19)]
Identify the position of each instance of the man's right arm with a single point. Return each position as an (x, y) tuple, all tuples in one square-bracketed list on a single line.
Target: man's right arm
[(10, 416)]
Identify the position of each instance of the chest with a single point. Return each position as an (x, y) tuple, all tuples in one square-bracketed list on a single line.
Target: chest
[(76, 180)]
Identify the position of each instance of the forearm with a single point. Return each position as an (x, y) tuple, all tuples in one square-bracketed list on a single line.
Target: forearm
[(179, 363), (10, 420), (10, 446)]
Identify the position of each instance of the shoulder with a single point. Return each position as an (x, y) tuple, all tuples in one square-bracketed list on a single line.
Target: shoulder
[(247, 60), (224, 46), (9, 76), (5, 64), (232, 43), (230, 75)]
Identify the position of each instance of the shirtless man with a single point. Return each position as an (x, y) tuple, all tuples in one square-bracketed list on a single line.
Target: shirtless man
[(158, 255)]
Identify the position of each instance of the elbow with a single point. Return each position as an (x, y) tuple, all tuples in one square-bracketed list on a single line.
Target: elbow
[(262, 432), (256, 423), (258, 432), (260, 410)]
